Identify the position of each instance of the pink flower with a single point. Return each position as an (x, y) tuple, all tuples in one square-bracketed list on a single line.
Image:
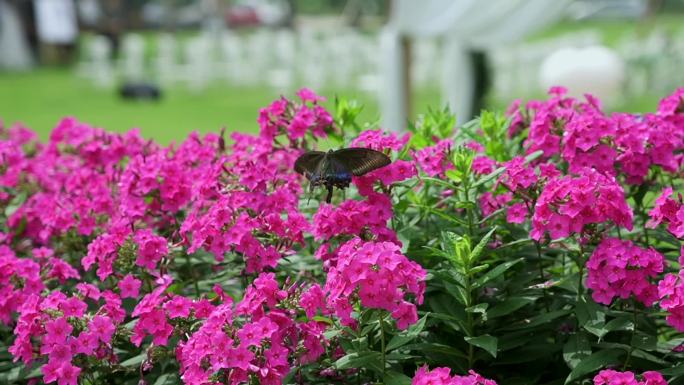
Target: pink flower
[(129, 286), (309, 96), (518, 175), (102, 327), (73, 307), (442, 376), (612, 377), (670, 211), (517, 213), (51, 371), (178, 307), (57, 330), (380, 141), (434, 160), (483, 165), (68, 374), (240, 358), (151, 248), (312, 299)]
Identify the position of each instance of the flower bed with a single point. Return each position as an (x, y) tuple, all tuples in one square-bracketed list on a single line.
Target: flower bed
[(538, 247)]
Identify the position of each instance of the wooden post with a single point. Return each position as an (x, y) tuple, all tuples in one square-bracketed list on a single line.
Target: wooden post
[(406, 69)]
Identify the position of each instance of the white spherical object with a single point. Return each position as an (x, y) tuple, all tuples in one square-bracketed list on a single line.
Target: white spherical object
[(597, 70)]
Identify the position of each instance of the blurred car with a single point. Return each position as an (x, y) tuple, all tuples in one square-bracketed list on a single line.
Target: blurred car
[(245, 13)]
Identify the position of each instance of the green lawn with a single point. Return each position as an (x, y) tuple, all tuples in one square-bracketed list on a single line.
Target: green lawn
[(40, 98)]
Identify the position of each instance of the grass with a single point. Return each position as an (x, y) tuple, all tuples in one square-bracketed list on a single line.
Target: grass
[(613, 31), (40, 98)]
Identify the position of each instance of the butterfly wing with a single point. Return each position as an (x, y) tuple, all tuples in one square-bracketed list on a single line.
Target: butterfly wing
[(361, 160), (308, 162)]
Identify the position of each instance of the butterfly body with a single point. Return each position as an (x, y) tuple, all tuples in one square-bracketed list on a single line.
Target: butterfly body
[(336, 168)]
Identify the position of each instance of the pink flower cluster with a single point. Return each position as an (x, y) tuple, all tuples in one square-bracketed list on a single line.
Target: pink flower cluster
[(397, 171), (19, 280), (353, 217), (671, 295), (612, 377), (379, 276), (621, 269), (583, 136), (670, 211), (294, 119), (435, 160), (261, 337), (126, 207), (64, 331), (567, 204), (518, 175), (379, 140), (258, 201), (442, 376), (522, 181)]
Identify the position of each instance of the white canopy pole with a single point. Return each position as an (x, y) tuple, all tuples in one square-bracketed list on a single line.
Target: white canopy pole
[(463, 24)]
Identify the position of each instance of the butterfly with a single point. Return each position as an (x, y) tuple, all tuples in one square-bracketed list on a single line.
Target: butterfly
[(336, 168)]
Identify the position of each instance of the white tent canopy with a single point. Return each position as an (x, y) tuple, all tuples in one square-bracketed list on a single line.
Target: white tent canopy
[(462, 24)]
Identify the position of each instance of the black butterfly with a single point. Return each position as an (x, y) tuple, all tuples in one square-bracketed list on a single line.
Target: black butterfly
[(335, 168)]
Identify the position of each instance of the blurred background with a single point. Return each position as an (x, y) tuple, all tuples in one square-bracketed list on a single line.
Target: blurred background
[(172, 66)]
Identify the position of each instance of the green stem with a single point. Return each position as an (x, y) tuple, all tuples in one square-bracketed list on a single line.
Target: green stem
[(563, 265), (541, 275), (191, 270), (469, 210), (469, 320), (580, 265), (644, 215), (381, 320), (631, 346)]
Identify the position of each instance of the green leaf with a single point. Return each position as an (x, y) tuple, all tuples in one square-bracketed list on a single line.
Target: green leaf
[(538, 320), (533, 156), (594, 362), (369, 359), (477, 251), (134, 361), (408, 336), (599, 329), (644, 341), (485, 342), (437, 348), (495, 272), (589, 313), (673, 371), (458, 292), (453, 175), (489, 177), (509, 305), (638, 353), (166, 378), (576, 349), (396, 378), (15, 203)]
